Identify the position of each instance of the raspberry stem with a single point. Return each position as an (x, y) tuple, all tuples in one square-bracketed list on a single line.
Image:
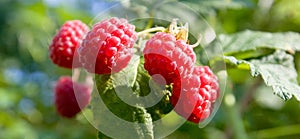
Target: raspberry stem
[(162, 29), (198, 42)]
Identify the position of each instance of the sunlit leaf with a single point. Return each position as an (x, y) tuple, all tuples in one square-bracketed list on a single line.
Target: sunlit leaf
[(277, 71), (111, 113)]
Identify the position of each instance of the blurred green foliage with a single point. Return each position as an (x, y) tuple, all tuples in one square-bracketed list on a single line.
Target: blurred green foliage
[(27, 75)]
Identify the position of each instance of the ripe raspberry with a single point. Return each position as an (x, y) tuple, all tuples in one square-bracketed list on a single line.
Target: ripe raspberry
[(168, 57), (107, 48), (65, 43), (69, 102), (192, 101)]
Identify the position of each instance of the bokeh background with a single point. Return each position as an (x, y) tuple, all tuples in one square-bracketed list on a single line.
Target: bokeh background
[(27, 75)]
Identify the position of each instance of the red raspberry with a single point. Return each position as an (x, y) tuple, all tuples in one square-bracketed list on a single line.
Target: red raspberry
[(168, 57), (209, 87), (192, 101), (65, 43), (107, 48), (67, 101)]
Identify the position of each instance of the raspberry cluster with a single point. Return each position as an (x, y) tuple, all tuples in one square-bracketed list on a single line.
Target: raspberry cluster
[(195, 88), (70, 97), (108, 47)]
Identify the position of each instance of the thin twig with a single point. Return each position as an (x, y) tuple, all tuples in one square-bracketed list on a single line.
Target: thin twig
[(151, 30), (198, 42)]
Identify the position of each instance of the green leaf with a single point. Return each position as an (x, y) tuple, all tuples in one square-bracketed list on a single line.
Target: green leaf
[(277, 71), (256, 43), (127, 76), (241, 64), (153, 92), (143, 123), (275, 66), (112, 113)]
